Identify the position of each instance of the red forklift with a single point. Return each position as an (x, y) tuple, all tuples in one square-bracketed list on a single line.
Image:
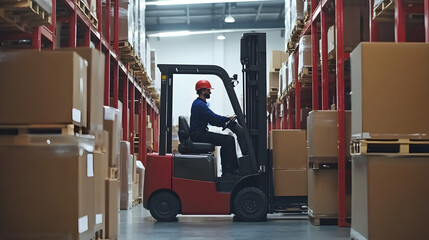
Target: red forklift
[(186, 182)]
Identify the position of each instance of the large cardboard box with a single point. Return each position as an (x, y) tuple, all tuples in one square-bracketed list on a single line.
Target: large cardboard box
[(390, 197), (112, 209), (47, 187), (95, 86), (101, 163), (290, 183), (43, 88), (274, 80), (126, 176), (353, 34), (289, 149), (390, 90), (112, 124), (141, 173), (322, 136), (323, 193), (277, 57), (149, 135), (304, 59)]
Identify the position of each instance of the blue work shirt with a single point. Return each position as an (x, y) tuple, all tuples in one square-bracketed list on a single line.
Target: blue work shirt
[(201, 115)]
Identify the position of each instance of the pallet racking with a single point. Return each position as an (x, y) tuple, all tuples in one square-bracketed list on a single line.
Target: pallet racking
[(83, 31), (329, 89)]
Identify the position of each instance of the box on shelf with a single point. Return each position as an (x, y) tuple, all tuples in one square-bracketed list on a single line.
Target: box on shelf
[(294, 15), (112, 124), (277, 58), (389, 199), (149, 135), (304, 52), (290, 183), (274, 80), (126, 176), (100, 175), (112, 208), (323, 193), (322, 136), (95, 86), (384, 106), (291, 70), (53, 194), (136, 123), (51, 90), (141, 174), (283, 79), (289, 149)]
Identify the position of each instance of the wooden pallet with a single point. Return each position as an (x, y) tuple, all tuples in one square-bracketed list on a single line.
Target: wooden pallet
[(22, 15), (317, 221), (390, 147), (94, 20), (57, 129), (137, 201), (296, 31), (307, 72), (113, 173), (83, 6), (12, 23), (385, 11)]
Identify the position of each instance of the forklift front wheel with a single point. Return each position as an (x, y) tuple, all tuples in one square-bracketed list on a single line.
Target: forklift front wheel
[(164, 206), (250, 205)]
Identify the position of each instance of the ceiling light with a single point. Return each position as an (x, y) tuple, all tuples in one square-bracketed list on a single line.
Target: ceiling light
[(229, 19), (221, 37), (173, 34), (182, 2)]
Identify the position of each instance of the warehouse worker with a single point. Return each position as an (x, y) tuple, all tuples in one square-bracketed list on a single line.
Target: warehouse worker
[(201, 115)]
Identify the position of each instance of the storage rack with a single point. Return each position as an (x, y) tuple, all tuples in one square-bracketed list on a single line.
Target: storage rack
[(81, 33), (292, 103)]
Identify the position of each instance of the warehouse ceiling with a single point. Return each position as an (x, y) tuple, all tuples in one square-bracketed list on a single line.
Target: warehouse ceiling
[(268, 14)]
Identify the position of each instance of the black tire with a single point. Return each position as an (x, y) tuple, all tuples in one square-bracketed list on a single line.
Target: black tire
[(250, 205), (164, 206)]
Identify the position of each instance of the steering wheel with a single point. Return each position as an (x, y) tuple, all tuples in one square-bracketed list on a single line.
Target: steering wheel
[(229, 123)]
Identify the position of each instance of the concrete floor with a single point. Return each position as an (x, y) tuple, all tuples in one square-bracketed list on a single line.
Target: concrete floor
[(137, 223)]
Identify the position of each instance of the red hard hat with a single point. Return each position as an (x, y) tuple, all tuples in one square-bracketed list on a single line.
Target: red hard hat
[(203, 84)]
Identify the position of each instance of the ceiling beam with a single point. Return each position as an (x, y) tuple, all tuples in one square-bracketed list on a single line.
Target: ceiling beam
[(188, 15), (258, 12), (154, 28)]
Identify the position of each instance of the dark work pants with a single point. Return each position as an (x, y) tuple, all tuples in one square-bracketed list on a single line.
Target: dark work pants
[(228, 152)]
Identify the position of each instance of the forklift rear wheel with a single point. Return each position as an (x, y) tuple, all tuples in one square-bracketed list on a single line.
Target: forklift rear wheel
[(250, 205), (164, 206)]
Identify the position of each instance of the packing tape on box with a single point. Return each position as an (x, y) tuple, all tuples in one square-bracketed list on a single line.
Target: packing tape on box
[(109, 113), (83, 224), (90, 165), (76, 115), (98, 218)]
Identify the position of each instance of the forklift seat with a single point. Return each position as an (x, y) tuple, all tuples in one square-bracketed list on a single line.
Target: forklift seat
[(186, 145)]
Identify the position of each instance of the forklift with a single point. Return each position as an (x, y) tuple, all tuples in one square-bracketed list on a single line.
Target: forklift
[(186, 182)]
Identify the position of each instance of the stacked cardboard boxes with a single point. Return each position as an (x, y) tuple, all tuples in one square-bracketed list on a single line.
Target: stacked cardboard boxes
[(63, 173), (322, 141), (126, 176), (390, 129), (289, 162), (149, 133)]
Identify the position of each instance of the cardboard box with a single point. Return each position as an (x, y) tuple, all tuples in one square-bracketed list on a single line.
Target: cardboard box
[(101, 163), (149, 135), (112, 124), (136, 123), (47, 188), (277, 57), (112, 208), (323, 193), (290, 183), (352, 28), (322, 136), (274, 80), (386, 106), (126, 176), (52, 88), (304, 58), (141, 174), (95, 86), (289, 149), (389, 197)]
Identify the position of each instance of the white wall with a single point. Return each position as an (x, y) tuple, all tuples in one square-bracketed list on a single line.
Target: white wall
[(207, 50)]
